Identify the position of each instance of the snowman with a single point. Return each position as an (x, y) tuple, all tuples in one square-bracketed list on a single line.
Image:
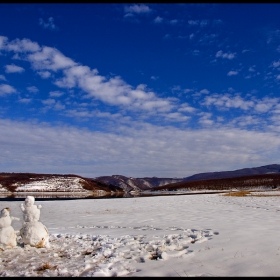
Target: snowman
[(8, 237), (33, 232)]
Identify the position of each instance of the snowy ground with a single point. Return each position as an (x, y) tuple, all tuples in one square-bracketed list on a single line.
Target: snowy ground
[(192, 235)]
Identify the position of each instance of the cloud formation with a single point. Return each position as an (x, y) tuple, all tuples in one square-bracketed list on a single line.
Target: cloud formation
[(114, 91), (226, 101), (96, 153), (232, 73), (11, 68), (228, 55), (6, 89), (137, 9), (49, 24)]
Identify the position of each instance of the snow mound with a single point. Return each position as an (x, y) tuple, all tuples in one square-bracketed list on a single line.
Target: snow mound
[(96, 255)]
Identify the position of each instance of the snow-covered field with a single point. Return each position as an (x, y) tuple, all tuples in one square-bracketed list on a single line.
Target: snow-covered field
[(192, 235)]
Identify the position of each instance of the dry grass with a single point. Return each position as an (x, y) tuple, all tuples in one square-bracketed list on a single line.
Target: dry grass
[(45, 266), (265, 195), (239, 193), (248, 193)]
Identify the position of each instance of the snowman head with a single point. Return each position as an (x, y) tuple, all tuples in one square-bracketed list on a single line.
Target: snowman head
[(5, 212), (29, 201)]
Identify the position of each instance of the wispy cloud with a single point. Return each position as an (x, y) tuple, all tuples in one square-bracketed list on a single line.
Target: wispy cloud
[(32, 89), (113, 91), (205, 119), (185, 107), (48, 101), (12, 68), (6, 89), (226, 101), (49, 58), (18, 46), (276, 64), (137, 9), (128, 152), (228, 55), (56, 93), (200, 23), (2, 78), (49, 24), (201, 92), (232, 73), (24, 100), (158, 19), (44, 74)]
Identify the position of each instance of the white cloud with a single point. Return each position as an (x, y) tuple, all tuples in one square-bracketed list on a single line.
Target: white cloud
[(46, 61), (232, 73), (49, 101), (247, 120), (201, 92), (56, 93), (139, 151), (203, 22), (200, 23), (178, 117), (205, 119), (25, 100), (14, 69), (252, 68), (276, 64), (185, 107), (137, 9), (6, 89), (59, 106), (188, 90), (154, 77), (49, 24), (225, 55), (19, 46), (44, 74), (166, 36), (193, 22), (32, 89), (173, 21), (2, 78), (196, 52), (228, 101), (266, 104), (114, 91), (205, 91), (236, 101), (3, 41), (158, 19), (49, 59)]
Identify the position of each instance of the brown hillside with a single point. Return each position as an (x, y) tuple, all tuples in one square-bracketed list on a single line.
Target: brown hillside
[(7, 180), (244, 182)]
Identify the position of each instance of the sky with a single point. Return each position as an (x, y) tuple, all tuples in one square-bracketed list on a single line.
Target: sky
[(140, 90)]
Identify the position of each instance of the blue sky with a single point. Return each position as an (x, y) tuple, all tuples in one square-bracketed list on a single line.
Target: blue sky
[(165, 90)]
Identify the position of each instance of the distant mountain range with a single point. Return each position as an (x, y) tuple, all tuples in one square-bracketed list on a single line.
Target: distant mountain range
[(129, 184), (149, 183), (32, 182), (266, 169)]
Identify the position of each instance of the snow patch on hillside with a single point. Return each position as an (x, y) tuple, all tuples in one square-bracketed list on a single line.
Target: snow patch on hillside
[(2, 189), (67, 184)]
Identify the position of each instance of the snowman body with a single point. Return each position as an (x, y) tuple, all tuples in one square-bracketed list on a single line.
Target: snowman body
[(8, 237), (33, 232)]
